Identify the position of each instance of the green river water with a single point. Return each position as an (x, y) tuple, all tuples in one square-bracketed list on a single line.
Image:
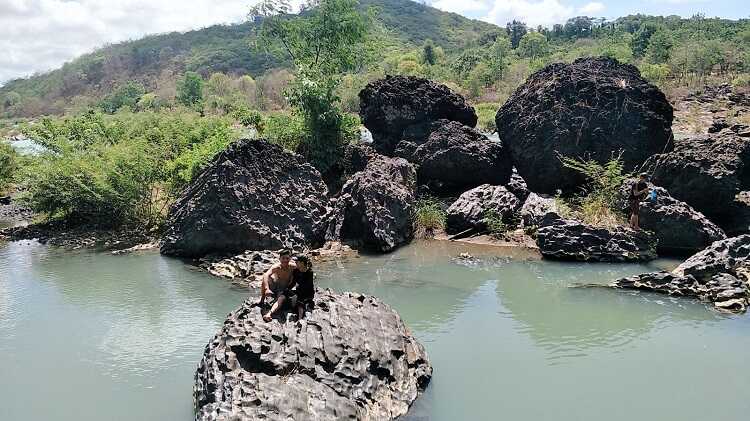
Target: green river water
[(91, 336)]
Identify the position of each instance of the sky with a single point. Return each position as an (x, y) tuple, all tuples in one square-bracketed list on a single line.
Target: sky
[(40, 35)]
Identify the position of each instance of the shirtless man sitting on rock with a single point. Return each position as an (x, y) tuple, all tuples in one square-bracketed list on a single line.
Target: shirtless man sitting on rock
[(276, 282)]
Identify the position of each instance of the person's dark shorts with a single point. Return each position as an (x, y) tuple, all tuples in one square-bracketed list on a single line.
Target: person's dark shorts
[(635, 206)]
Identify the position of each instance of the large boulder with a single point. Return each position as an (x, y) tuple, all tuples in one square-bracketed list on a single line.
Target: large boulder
[(375, 207), (392, 105), (593, 108), (678, 227), (538, 210), (566, 239), (252, 196), (455, 157), (470, 210), (351, 357), (706, 171)]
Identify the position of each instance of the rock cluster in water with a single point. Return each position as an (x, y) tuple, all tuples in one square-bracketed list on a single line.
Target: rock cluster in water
[(252, 196), (720, 274), (593, 108), (351, 357)]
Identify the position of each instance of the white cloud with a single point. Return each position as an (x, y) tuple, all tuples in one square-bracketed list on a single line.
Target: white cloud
[(592, 8), (39, 35), (532, 12)]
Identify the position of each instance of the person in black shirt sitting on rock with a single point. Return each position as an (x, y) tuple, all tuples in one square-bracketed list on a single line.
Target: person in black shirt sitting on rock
[(302, 277)]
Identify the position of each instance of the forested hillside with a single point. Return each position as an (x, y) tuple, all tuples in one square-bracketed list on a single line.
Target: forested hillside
[(480, 60)]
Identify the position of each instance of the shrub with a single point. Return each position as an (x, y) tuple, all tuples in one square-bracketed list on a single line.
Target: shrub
[(496, 226), (8, 165), (429, 217), (486, 112), (598, 203), (284, 129), (742, 81)]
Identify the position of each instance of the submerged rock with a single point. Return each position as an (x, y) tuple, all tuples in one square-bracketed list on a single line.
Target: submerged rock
[(593, 108), (567, 239), (375, 207), (678, 227), (472, 208), (252, 196), (723, 290), (706, 171), (455, 157), (390, 106), (352, 357)]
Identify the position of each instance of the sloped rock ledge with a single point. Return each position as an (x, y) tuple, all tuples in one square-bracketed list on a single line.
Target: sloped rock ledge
[(352, 357)]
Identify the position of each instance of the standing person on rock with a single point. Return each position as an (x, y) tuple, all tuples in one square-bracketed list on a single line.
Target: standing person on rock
[(276, 282), (638, 192)]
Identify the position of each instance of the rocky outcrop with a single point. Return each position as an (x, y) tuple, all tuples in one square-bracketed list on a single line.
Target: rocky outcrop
[(390, 106), (594, 107), (723, 290), (375, 207), (474, 206), (455, 157), (678, 227), (517, 185), (723, 256), (706, 171), (351, 357), (566, 239), (252, 196), (538, 210)]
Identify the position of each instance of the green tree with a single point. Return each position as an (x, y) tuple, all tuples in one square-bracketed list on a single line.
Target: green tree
[(11, 99), (640, 41), (516, 30), (533, 45), (324, 42), (8, 165), (190, 89), (659, 46), (499, 57), (428, 53), (124, 96)]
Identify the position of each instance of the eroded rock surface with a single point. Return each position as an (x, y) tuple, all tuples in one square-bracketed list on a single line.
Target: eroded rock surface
[(455, 157), (706, 171), (722, 256), (375, 207), (390, 106), (678, 227), (252, 196), (472, 208), (351, 358), (538, 210), (566, 239), (594, 107)]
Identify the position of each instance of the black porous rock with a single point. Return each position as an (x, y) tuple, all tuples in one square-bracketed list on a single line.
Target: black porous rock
[(723, 290), (455, 157), (679, 228), (593, 108), (252, 196), (350, 358), (390, 106), (706, 171), (517, 185), (472, 207), (538, 210), (723, 256), (566, 239), (375, 207)]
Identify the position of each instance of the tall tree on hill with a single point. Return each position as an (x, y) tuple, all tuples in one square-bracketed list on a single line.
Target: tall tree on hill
[(326, 41), (516, 31), (190, 89)]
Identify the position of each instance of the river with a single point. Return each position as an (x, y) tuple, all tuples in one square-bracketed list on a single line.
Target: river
[(92, 336)]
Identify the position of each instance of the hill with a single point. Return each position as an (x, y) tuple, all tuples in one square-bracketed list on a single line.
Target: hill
[(156, 60)]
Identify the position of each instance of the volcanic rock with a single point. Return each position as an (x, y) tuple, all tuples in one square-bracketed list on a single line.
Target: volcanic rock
[(538, 210), (517, 185), (723, 256), (455, 157), (678, 227), (566, 239), (706, 171), (375, 207), (593, 108), (390, 106), (252, 196), (351, 357), (472, 208)]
